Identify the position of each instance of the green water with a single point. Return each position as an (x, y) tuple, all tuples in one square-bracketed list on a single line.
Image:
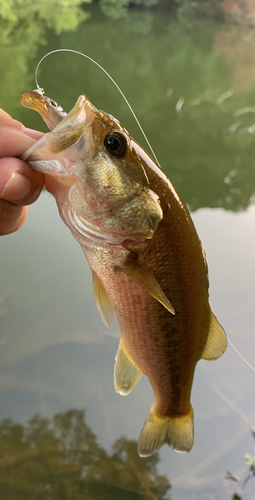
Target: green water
[(192, 86), (203, 69)]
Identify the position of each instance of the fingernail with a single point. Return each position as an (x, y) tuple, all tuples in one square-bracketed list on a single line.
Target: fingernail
[(35, 134), (16, 188)]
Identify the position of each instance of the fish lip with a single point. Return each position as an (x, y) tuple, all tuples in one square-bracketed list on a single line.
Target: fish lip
[(80, 114), (51, 112), (39, 103)]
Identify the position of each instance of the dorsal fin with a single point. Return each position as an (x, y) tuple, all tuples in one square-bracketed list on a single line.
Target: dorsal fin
[(103, 301), (216, 343)]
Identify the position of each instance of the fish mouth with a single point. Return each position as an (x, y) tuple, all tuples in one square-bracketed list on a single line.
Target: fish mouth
[(36, 100), (51, 112), (80, 114), (67, 132)]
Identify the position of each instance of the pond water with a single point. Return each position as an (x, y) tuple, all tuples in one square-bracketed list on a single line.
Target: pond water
[(192, 85)]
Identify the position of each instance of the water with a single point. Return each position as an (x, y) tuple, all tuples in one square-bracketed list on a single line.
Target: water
[(192, 86)]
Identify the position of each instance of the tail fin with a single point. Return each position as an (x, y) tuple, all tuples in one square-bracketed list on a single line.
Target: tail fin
[(177, 432)]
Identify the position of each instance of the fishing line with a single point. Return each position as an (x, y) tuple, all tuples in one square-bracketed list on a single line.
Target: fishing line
[(253, 369), (113, 81), (135, 117)]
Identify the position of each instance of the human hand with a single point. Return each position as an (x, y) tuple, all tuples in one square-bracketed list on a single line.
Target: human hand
[(19, 184)]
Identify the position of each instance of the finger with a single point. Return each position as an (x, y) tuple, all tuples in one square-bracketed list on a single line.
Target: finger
[(8, 121), (13, 142), (15, 138), (19, 184), (35, 134), (12, 217)]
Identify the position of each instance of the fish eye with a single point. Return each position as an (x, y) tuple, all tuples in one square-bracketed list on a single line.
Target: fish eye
[(116, 144), (53, 103)]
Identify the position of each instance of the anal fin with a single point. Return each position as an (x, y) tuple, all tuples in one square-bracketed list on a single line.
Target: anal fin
[(126, 373), (103, 301), (216, 343), (148, 283)]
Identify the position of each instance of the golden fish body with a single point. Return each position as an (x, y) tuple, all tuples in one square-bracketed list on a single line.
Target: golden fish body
[(147, 262)]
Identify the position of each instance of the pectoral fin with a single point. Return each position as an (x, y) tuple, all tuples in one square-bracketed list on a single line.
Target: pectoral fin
[(216, 342), (126, 373), (103, 301), (148, 283)]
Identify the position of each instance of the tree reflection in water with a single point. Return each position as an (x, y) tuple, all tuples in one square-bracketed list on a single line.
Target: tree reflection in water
[(60, 458)]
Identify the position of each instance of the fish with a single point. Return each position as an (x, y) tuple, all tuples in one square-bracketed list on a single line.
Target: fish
[(147, 261)]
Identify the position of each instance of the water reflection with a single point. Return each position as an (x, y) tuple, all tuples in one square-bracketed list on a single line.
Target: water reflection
[(22, 32), (239, 11), (242, 483), (194, 91), (55, 352), (61, 458)]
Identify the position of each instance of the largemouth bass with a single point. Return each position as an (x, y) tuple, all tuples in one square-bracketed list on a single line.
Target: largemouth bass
[(147, 261)]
